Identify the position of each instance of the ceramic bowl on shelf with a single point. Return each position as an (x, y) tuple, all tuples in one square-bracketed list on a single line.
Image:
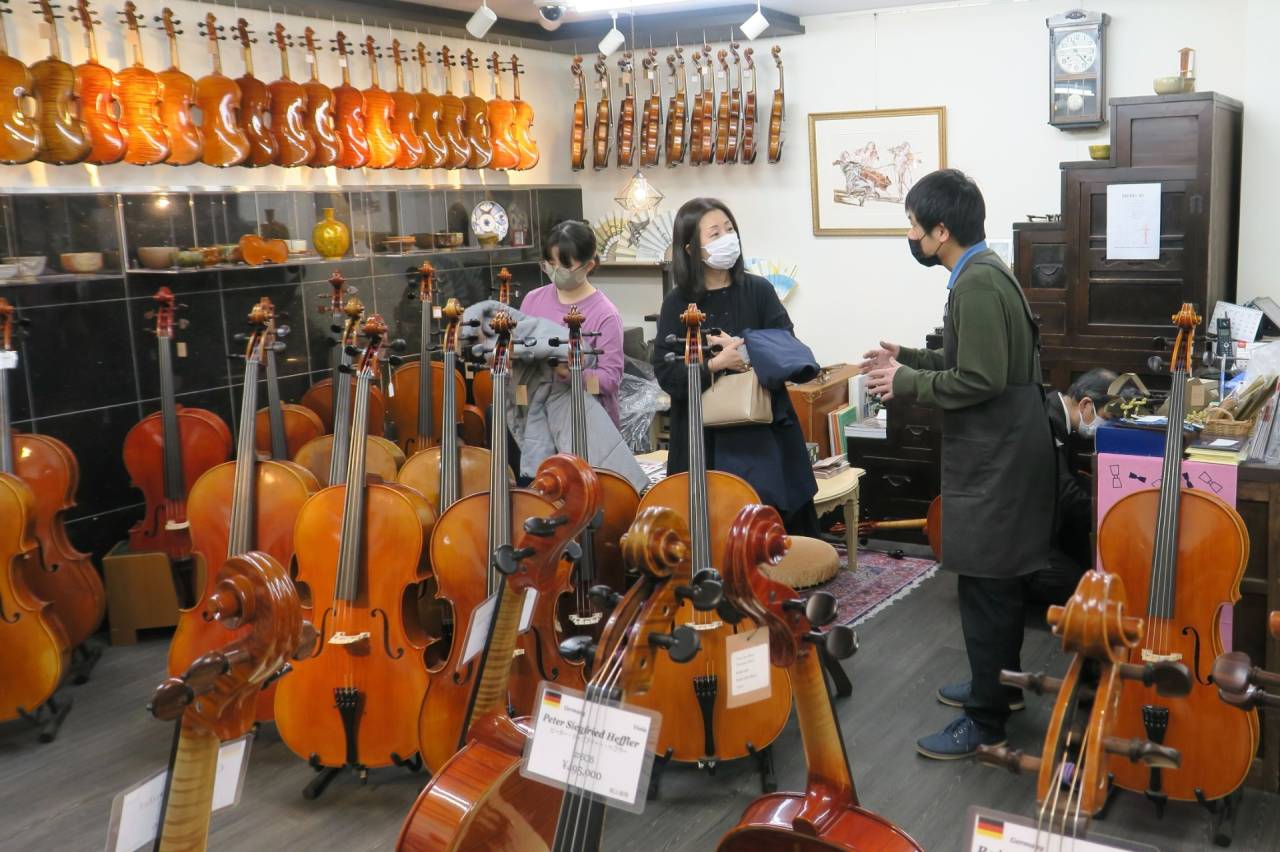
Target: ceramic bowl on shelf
[(448, 239), (488, 241), (1174, 85), (81, 262), (29, 266), (296, 246), (1100, 152), (424, 241), (191, 258), (157, 257), (8, 270)]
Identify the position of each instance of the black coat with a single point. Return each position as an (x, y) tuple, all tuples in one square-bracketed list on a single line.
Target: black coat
[(773, 458), (1074, 521)]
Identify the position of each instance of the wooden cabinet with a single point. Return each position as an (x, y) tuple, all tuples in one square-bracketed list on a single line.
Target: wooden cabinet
[(903, 471), (1258, 500)]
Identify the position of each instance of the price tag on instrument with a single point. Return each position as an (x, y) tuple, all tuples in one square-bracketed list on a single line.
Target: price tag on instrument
[(436, 312), (593, 384), (993, 831), (43, 30), (478, 629), (591, 748), (311, 60), (342, 62), (526, 611), (522, 394), (8, 359), (233, 766), (747, 657), (182, 348)]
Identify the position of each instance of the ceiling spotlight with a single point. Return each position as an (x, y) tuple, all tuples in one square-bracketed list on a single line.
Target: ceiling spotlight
[(752, 27), (613, 39), (481, 21)]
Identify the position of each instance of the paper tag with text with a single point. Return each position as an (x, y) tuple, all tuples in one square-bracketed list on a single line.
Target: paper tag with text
[(478, 629), (992, 831), (436, 312), (526, 612), (182, 349), (8, 359), (593, 384), (522, 394), (747, 660), (590, 747)]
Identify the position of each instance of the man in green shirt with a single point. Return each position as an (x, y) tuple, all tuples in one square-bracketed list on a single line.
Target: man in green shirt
[(997, 499)]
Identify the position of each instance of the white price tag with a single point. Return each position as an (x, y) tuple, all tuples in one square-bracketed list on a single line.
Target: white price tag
[(182, 348), (748, 665), (233, 765), (436, 312), (590, 747), (8, 359), (478, 629), (342, 62), (993, 831), (526, 612), (311, 60), (593, 384)]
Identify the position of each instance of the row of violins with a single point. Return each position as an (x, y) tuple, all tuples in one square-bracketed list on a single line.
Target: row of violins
[(719, 128), (91, 114)]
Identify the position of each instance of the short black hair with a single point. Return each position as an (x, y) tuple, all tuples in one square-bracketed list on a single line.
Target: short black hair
[(1094, 385), (949, 197), (574, 242), (686, 266)]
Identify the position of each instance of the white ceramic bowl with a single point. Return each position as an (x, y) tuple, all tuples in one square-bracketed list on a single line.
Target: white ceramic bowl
[(29, 266), (81, 262), (8, 270)]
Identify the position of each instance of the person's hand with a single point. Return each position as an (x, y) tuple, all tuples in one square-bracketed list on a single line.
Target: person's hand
[(562, 372), (881, 357), (724, 341), (729, 358), (880, 380)]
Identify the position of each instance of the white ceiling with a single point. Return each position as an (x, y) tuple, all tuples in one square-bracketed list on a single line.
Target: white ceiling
[(523, 10)]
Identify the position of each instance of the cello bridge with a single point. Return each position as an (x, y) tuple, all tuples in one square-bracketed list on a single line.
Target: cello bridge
[(1149, 656), (584, 620), (177, 525), (344, 638), (705, 625)]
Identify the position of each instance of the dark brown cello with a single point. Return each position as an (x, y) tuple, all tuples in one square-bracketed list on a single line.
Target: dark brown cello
[(67, 579), (827, 815), (710, 500), (166, 452), (282, 428), (242, 505), (361, 552), (1183, 552)]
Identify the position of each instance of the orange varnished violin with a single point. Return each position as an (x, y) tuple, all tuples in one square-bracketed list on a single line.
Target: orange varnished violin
[(523, 130), (166, 452), (145, 138), (477, 118), (453, 117), (242, 505), (282, 428), (415, 407), (177, 94), (218, 97), (96, 89), (19, 133), (1183, 551), (479, 800), (255, 104), (348, 102), (777, 111), (63, 137), (706, 129), (651, 118), (750, 110), (404, 121), (677, 109), (435, 153), (1080, 750), (578, 132), (214, 699), (735, 106), (294, 145), (721, 151), (319, 118), (602, 131), (710, 500), (696, 116), (626, 112), (68, 579), (502, 122), (319, 397), (379, 107), (827, 815), (361, 551)]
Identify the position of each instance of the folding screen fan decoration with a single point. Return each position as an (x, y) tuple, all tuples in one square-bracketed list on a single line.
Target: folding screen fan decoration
[(655, 239), (779, 273), (615, 239)]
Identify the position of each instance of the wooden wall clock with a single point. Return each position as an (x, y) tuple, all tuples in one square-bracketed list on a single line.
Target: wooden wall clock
[(1076, 68)]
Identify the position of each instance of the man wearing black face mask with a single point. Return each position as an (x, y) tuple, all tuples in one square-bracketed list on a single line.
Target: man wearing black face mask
[(997, 501)]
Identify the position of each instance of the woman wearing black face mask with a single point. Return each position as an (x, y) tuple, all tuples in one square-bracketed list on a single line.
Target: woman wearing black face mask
[(708, 269), (998, 487)]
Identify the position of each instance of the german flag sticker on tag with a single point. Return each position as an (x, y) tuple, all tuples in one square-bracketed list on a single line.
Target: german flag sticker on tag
[(988, 827)]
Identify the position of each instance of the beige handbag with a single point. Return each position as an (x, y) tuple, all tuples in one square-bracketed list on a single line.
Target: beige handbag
[(736, 399)]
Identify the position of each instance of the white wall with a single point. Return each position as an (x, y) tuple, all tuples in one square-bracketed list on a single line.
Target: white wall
[(1261, 145), (988, 66)]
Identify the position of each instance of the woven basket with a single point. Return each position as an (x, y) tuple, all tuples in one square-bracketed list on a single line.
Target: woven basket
[(1227, 428)]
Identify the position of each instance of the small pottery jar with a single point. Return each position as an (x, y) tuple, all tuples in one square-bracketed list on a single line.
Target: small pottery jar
[(330, 237)]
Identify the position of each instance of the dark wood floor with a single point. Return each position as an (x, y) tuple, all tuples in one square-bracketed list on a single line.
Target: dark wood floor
[(58, 796)]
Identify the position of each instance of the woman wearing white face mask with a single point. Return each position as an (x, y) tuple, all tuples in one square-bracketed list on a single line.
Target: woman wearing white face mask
[(568, 259), (708, 270)]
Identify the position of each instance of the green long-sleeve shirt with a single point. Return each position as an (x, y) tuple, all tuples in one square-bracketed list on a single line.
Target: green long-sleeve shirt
[(994, 345)]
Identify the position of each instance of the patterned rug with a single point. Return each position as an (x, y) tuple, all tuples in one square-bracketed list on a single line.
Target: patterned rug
[(878, 582)]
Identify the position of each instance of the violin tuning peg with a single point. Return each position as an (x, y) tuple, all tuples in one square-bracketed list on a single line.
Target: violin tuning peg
[(395, 360), (704, 596), (572, 551), (604, 597), (353, 351), (543, 527), (1169, 677), (670, 357), (1144, 752), (184, 323), (235, 356), (1038, 683), (278, 346), (841, 641), (347, 369), (555, 341), (671, 339), (398, 344), (240, 336), (555, 360), (578, 649), (682, 644), (276, 675), (729, 613)]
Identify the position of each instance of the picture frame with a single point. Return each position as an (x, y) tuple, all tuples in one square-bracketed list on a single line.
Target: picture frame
[(863, 163)]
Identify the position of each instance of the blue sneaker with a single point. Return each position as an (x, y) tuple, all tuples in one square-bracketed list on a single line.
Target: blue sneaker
[(956, 741), (957, 695)]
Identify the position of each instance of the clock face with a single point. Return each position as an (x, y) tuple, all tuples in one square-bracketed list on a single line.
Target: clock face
[(1076, 52)]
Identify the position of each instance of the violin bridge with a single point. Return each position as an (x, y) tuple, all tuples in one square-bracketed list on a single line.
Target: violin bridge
[(344, 638), (518, 652), (177, 525), (705, 625), (584, 620), (1149, 656)]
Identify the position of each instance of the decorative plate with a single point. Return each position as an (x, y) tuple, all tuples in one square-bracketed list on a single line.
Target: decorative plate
[(488, 219)]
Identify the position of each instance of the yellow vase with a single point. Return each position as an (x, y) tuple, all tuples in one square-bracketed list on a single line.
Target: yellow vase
[(330, 237)]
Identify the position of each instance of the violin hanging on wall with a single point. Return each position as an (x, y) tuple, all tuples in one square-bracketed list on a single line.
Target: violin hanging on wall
[(319, 121), (776, 112), (255, 104), (218, 98), (651, 119), (379, 107), (602, 131), (404, 120), (626, 112), (294, 145), (348, 102), (578, 131), (177, 94), (63, 137), (435, 152), (19, 132), (96, 86), (723, 116), (477, 118), (750, 110), (523, 129), (734, 133), (677, 109), (453, 117), (502, 121), (146, 141)]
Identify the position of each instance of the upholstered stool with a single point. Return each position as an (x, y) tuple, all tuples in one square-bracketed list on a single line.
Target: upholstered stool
[(810, 561)]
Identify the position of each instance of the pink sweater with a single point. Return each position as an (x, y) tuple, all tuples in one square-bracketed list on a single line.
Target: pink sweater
[(600, 315)]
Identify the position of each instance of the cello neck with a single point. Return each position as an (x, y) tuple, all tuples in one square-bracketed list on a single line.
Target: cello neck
[(173, 476), (1162, 594), (499, 654), (240, 538), (342, 418), (450, 474), (499, 488), (426, 401), (699, 523), (578, 422), (275, 412), (348, 584), (6, 427), (189, 792), (830, 784)]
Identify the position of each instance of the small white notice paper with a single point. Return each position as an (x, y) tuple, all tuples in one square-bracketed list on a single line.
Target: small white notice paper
[(1133, 221), (590, 747), (748, 655), (526, 611), (8, 359), (478, 629)]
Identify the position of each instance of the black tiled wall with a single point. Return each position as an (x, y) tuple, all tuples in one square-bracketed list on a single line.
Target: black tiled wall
[(88, 364)]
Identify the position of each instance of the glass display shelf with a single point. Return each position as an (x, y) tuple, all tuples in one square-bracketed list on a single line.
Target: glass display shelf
[(306, 260), (61, 278)]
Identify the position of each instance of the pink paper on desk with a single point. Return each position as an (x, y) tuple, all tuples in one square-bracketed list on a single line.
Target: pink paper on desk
[(1119, 475)]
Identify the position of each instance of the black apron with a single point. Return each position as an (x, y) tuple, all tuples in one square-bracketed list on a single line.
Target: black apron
[(998, 470)]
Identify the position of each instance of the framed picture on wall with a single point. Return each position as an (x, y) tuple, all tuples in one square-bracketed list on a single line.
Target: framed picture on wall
[(862, 164)]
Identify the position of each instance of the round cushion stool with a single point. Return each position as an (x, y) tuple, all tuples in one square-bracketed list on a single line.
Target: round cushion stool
[(810, 561)]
